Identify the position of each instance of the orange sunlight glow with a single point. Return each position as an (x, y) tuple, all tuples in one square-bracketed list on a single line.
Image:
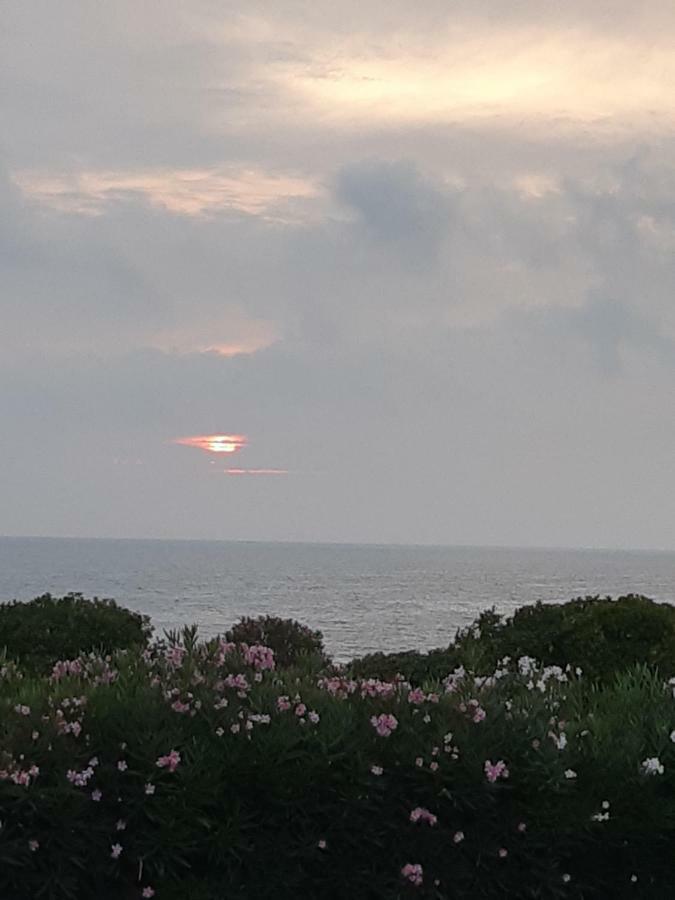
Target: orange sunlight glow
[(214, 443)]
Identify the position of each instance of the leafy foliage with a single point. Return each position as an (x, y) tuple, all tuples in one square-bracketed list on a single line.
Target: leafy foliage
[(601, 635), (290, 640), (186, 769), (190, 769), (47, 629), (414, 666)]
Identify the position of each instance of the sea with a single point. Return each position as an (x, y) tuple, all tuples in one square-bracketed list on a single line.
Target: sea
[(364, 598)]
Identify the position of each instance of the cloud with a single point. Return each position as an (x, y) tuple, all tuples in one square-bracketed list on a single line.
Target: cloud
[(396, 203), (188, 192), (424, 260)]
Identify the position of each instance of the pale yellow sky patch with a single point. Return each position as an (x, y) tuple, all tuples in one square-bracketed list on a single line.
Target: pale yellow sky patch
[(531, 74)]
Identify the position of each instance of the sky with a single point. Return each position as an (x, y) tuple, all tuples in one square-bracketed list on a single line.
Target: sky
[(362, 271)]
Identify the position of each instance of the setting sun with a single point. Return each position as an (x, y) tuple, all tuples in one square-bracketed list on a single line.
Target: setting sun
[(214, 443)]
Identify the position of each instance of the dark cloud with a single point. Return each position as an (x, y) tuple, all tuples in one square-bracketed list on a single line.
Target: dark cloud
[(397, 204)]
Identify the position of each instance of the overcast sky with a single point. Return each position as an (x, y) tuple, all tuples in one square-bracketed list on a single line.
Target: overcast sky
[(417, 259)]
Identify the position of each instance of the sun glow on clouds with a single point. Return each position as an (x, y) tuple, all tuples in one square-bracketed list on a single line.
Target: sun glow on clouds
[(542, 75), (215, 443), (190, 192)]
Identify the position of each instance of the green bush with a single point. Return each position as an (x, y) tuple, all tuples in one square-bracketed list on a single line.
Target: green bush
[(414, 666), (47, 629), (290, 641), (601, 635), (196, 770)]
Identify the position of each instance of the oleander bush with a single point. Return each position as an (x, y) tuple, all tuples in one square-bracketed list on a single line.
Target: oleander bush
[(48, 628), (413, 665), (205, 771), (601, 635), (291, 641)]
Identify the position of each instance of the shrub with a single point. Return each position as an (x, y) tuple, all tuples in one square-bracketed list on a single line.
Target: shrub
[(290, 641), (194, 770), (47, 629), (413, 666), (601, 635)]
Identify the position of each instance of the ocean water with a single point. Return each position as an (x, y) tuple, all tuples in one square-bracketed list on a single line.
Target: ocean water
[(362, 597)]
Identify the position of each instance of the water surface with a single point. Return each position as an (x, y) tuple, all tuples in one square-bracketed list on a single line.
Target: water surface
[(363, 597)]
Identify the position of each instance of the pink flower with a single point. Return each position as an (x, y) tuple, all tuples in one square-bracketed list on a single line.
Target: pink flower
[(283, 704), (373, 687), (116, 851), (416, 696), (384, 724), (96, 796), (237, 681), (75, 728), (259, 657), (413, 872), (503, 852), (313, 717), (458, 837), (376, 770), (174, 656), (300, 709), (322, 844), (122, 765), (33, 845), (147, 892), (479, 714), (498, 770), (170, 761), (420, 814)]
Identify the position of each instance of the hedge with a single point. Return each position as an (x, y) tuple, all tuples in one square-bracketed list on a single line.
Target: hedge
[(202, 771)]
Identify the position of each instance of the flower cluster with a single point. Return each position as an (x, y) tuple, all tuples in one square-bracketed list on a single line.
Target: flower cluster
[(384, 724)]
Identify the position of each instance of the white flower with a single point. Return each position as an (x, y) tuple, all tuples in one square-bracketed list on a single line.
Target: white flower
[(652, 766), (570, 773), (560, 740)]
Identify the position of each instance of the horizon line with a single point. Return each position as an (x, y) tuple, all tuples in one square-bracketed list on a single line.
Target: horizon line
[(394, 544)]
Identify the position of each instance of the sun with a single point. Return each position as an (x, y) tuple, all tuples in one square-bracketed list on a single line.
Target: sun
[(222, 443), (215, 443)]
